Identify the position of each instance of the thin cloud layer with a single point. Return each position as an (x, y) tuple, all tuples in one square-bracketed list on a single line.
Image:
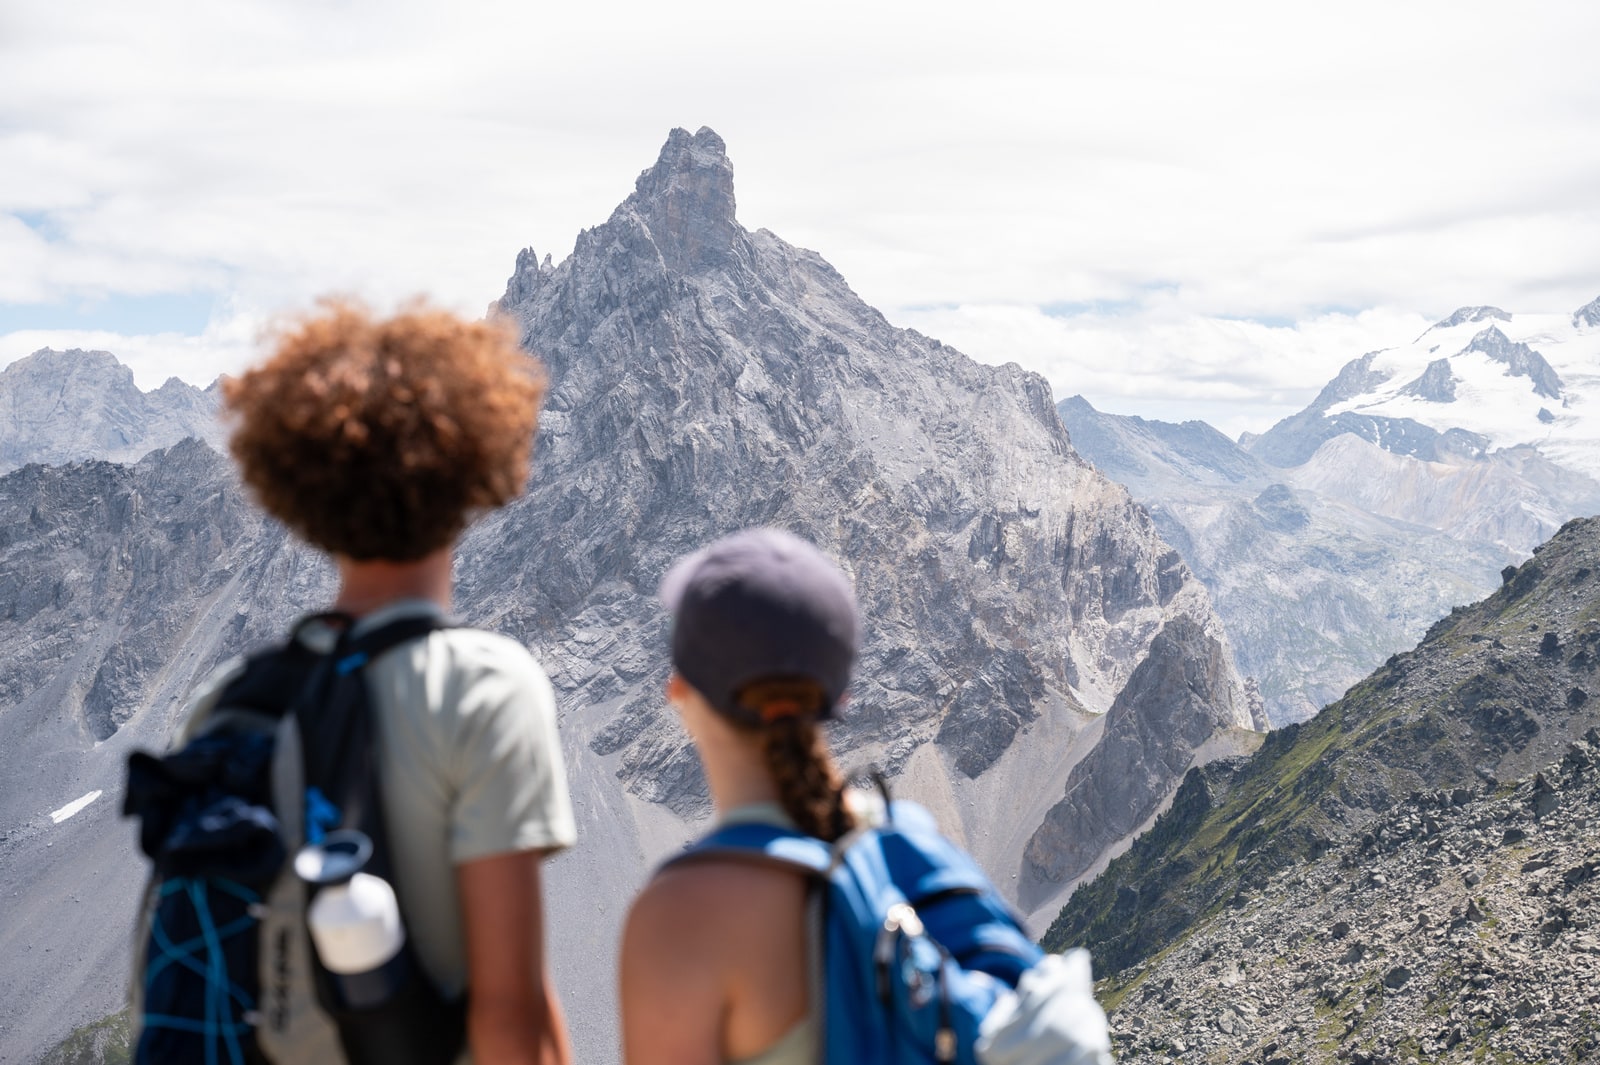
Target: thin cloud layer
[(1107, 189)]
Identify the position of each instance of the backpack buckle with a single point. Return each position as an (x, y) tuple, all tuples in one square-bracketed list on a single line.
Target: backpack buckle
[(902, 918)]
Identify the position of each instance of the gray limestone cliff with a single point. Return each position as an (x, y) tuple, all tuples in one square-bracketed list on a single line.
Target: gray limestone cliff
[(1159, 719)]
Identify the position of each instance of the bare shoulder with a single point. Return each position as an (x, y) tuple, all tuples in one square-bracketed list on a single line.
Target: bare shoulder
[(704, 903)]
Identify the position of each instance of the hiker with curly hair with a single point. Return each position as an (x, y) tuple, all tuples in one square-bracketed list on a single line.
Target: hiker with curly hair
[(377, 441)]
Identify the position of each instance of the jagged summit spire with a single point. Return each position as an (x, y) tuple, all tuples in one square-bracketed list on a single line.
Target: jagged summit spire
[(687, 202), (1587, 315)]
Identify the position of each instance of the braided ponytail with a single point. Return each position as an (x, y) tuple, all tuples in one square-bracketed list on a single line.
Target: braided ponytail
[(810, 786)]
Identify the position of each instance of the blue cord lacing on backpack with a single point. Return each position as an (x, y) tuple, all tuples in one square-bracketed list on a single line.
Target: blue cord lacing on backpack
[(203, 955)]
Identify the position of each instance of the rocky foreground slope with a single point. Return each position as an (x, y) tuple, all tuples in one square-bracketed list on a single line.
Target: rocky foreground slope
[(1459, 927), (703, 377), (1405, 876)]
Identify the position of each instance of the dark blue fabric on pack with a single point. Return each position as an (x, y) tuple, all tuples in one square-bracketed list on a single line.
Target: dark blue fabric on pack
[(208, 827), (202, 931), (205, 810), (906, 995)]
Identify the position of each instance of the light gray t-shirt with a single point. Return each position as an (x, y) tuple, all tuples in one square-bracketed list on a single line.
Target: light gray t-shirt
[(470, 766)]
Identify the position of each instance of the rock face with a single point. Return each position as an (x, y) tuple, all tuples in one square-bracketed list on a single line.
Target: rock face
[(66, 406), (1366, 884), (1519, 360), (1587, 316), (1436, 385), (1158, 721), (704, 378)]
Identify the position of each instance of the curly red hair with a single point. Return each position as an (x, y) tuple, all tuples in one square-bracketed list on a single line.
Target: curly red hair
[(384, 438)]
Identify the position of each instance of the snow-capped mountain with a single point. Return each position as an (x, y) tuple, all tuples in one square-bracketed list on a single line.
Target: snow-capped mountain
[(1414, 478), (1480, 381)]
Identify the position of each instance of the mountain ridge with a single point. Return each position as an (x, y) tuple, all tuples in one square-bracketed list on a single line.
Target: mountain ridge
[(67, 406)]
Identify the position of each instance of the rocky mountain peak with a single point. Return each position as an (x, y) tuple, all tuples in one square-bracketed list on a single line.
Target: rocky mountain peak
[(1354, 378), (1464, 315), (48, 365), (66, 406), (686, 200), (1519, 359), (1587, 315)]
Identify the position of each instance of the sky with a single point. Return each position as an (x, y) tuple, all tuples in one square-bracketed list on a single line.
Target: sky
[(1176, 210)]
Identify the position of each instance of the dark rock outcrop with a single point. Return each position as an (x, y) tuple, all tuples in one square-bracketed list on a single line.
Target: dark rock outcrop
[(1588, 315), (1127, 775), (1436, 385), (1519, 359)]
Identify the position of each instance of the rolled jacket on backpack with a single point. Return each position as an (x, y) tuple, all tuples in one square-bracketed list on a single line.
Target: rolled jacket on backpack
[(1051, 1019)]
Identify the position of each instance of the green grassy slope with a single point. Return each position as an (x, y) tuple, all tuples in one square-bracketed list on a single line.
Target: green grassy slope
[(1492, 691)]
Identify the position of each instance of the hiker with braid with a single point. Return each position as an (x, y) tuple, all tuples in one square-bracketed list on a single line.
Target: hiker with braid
[(714, 955), (811, 925)]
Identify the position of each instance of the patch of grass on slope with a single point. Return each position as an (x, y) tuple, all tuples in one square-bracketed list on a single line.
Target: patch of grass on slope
[(1232, 825), (102, 1042), (1230, 822)]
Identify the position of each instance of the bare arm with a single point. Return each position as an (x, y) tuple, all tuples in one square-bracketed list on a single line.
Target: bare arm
[(513, 1017), (672, 996)]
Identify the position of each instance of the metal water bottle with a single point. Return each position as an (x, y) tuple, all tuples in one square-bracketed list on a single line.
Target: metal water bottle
[(354, 919)]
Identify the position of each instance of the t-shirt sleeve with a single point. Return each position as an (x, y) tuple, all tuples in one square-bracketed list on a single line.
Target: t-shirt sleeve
[(510, 779)]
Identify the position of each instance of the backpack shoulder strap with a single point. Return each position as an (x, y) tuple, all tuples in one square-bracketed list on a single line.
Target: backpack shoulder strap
[(762, 844), (270, 680), (332, 708), (356, 651)]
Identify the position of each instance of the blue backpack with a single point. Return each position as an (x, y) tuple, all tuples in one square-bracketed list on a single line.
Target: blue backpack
[(916, 945)]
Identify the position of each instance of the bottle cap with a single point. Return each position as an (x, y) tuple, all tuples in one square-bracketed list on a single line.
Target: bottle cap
[(340, 856)]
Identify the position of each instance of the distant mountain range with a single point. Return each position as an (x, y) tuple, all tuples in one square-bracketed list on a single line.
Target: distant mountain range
[(1417, 474)]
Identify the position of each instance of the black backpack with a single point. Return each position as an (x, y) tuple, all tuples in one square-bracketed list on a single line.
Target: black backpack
[(225, 971)]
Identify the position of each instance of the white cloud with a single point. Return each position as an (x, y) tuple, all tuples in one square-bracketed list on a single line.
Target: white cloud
[(226, 346), (1241, 159)]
